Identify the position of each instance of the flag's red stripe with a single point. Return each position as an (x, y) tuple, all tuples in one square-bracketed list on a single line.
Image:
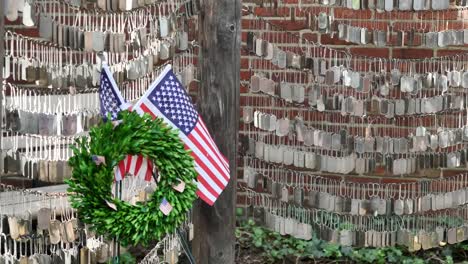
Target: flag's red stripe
[(139, 161), (149, 171), (207, 186), (222, 157), (215, 163), (122, 168), (129, 163), (198, 149), (208, 142), (206, 169), (147, 110), (214, 145), (204, 198)]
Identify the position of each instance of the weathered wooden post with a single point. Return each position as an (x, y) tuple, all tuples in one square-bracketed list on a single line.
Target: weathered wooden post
[(2, 55), (220, 39)]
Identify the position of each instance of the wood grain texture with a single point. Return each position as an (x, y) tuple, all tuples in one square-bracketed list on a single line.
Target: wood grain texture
[(2, 55), (218, 103)]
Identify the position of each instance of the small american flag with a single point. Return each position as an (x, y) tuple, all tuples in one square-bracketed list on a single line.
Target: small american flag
[(165, 207), (112, 102), (167, 98), (99, 159)]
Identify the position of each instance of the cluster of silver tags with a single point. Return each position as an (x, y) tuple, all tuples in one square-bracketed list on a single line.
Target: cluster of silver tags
[(413, 232), (307, 190), (360, 163), (318, 96), (381, 38), (404, 75), (418, 140), (57, 68), (54, 239), (30, 112), (166, 250), (394, 5), (40, 158), (96, 32), (169, 248)]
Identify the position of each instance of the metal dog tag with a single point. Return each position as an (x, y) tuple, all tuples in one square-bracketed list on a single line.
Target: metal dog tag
[(45, 27), (440, 4), (405, 5), (389, 5)]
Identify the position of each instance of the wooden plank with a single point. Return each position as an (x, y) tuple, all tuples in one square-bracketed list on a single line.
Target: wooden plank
[(219, 38), (2, 55)]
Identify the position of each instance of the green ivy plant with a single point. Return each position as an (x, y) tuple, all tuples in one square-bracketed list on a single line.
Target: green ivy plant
[(275, 248)]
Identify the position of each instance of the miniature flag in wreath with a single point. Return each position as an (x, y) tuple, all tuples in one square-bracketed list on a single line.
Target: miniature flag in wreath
[(112, 102), (167, 98), (165, 206)]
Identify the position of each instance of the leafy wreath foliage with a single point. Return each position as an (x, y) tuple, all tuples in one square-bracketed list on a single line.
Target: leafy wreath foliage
[(90, 185)]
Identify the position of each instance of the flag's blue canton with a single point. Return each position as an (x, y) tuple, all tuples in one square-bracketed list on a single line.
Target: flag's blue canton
[(171, 99), (110, 102)]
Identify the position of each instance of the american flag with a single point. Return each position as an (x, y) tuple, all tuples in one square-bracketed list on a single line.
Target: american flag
[(99, 160), (167, 98), (112, 102), (139, 167), (165, 207)]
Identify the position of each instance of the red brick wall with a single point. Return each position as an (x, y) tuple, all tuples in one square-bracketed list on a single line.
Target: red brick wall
[(292, 19)]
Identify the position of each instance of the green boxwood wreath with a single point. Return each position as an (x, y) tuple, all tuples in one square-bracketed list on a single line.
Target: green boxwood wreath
[(90, 185)]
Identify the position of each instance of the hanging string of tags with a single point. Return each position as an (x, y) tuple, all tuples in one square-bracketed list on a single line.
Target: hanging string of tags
[(415, 232), (401, 5)]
